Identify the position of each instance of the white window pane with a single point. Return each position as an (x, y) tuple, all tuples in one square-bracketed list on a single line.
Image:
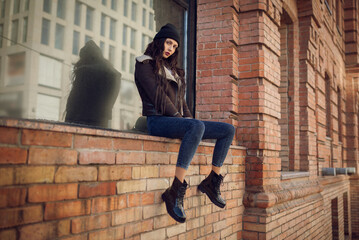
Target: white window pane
[(47, 107), (50, 71)]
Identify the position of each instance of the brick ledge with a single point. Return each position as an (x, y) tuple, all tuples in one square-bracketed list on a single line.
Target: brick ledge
[(88, 130)]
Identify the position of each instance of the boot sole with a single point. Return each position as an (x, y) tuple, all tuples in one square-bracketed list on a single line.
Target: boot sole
[(175, 217), (218, 204)]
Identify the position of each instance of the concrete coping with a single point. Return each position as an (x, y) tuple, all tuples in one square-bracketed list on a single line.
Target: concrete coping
[(292, 175)]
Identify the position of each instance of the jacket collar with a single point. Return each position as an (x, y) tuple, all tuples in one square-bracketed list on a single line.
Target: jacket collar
[(168, 73)]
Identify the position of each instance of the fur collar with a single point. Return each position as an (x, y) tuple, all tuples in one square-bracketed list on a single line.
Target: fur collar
[(168, 73)]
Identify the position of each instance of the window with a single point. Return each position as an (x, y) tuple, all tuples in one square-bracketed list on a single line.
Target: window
[(24, 30), (14, 31), (150, 21), (1, 33), (87, 38), (89, 18), (151, 3), (47, 107), (61, 7), (124, 35), (114, 5), (26, 5), (123, 61), (77, 15), (47, 6), (50, 72), (132, 63), (125, 8), (134, 11), (143, 17), (16, 7), (119, 37), (112, 29), (338, 15), (133, 38), (111, 54), (103, 24), (143, 43), (59, 36), (102, 46), (76, 43), (2, 8)]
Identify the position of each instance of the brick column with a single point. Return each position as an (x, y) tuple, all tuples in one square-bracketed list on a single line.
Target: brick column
[(217, 60)]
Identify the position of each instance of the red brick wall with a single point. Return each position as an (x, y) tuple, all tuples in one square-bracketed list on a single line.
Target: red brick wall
[(76, 183)]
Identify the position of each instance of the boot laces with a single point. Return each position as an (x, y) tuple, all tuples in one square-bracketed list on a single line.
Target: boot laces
[(180, 194), (218, 181)]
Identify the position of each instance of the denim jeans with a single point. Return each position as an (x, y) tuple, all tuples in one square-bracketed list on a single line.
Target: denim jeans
[(192, 131)]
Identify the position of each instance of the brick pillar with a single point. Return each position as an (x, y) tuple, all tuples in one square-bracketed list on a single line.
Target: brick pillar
[(352, 117), (217, 61)]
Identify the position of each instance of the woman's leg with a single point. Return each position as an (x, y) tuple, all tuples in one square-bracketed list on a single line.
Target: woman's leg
[(224, 134), (189, 130)]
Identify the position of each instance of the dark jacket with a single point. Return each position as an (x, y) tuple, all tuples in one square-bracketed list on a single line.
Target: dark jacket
[(93, 95), (146, 84)]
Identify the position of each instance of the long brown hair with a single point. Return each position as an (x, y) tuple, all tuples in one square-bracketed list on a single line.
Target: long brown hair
[(155, 50)]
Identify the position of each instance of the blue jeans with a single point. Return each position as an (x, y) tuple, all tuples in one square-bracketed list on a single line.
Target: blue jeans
[(192, 131)]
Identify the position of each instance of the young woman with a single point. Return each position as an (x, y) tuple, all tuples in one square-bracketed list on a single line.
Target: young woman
[(161, 86)]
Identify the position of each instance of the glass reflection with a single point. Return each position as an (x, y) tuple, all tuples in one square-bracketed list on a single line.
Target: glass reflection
[(40, 44)]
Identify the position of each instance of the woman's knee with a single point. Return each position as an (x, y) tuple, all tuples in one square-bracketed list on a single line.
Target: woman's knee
[(197, 127)]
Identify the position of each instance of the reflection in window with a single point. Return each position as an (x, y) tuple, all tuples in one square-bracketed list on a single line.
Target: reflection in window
[(132, 63), (16, 7), (59, 36), (14, 31), (87, 38), (133, 38), (103, 24), (144, 17), (123, 61), (77, 16), (104, 2), (24, 30), (125, 8), (111, 54), (61, 7), (45, 31), (143, 43), (89, 18), (2, 6), (47, 107), (1, 33), (144, 1), (26, 5), (102, 46), (134, 11), (47, 6), (150, 21), (112, 29), (50, 71), (124, 35), (16, 69), (114, 5), (76, 43)]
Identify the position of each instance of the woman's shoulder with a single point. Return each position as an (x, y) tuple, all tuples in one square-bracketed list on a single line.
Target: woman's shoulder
[(144, 59)]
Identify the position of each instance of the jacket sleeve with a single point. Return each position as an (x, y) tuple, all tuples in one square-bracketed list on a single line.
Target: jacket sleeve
[(146, 78), (186, 111)]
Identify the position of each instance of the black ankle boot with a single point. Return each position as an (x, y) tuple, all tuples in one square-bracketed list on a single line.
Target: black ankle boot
[(210, 186), (173, 197)]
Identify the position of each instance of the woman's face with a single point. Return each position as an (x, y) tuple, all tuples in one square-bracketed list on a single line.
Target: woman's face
[(170, 47)]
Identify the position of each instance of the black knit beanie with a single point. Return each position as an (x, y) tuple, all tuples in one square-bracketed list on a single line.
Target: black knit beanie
[(168, 31)]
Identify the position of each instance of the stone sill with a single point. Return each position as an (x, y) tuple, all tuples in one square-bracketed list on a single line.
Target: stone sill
[(64, 127), (293, 175)]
